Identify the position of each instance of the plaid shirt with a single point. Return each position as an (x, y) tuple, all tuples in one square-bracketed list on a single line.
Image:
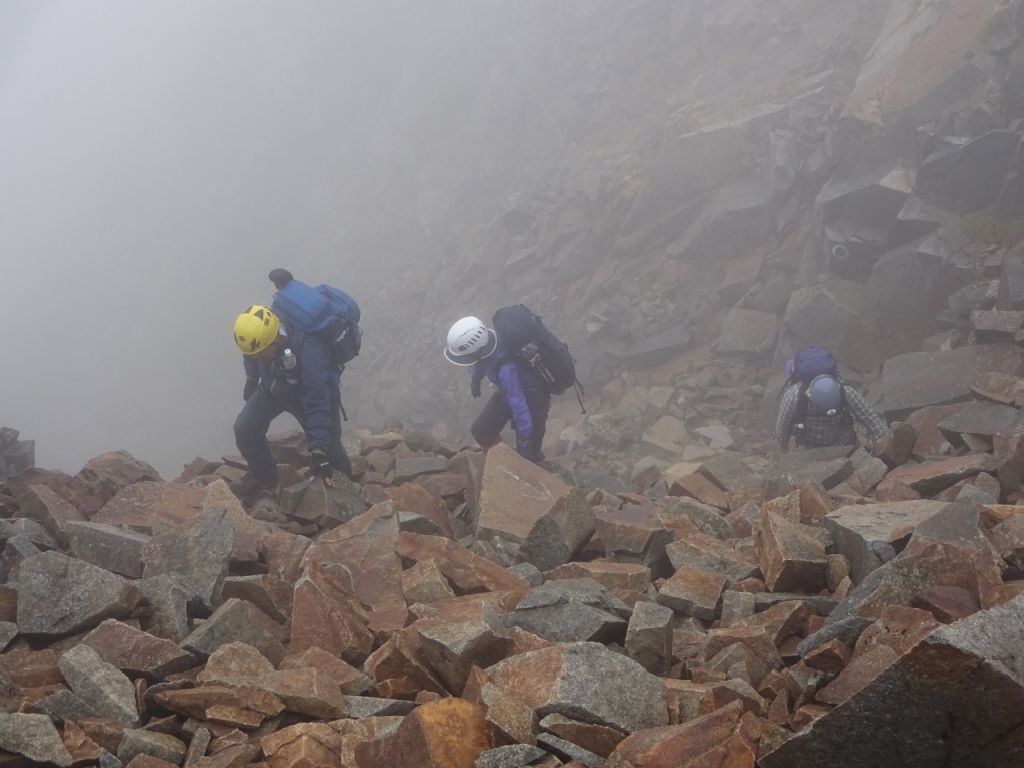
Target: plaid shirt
[(820, 430)]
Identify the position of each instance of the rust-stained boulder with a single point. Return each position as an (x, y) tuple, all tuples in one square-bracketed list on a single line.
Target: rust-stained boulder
[(956, 697), (696, 743), (452, 648), (326, 615), (424, 583), (49, 509), (147, 505), (466, 572), (449, 733), (699, 552), (109, 472), (693, 592), (870, 534), (586, 681), (532, 511), (137, 653), (791, 559)]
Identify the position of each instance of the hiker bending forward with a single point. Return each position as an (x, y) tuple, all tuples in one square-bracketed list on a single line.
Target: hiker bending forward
[(818, 408), (521, 396)]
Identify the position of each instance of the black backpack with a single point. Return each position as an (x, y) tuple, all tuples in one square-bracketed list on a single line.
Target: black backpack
[(524, 335)]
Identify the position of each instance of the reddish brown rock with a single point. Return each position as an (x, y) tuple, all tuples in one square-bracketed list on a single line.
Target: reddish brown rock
[(1008, 539), (249, 533), (861, 670), (815, 504), (146, 505), (931, 477), (598, 739), (325, 615), (701, 552), (283, 553), (351, 680), (700, 742), (268, 593), (205, 702), (400, 669), (898, 627), (412, 497), (49, 509), (693, 593), (450, 733), (137, 653), (452, 649), (633, 534), (467, 572), (830, 657), (699, 487), (304, 745), (791, 559)]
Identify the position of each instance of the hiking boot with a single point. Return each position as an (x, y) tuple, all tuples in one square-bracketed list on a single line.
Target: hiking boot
[(250, 486)]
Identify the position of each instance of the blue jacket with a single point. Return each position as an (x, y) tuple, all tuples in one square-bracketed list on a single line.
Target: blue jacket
[(516, 381), (308, 392)]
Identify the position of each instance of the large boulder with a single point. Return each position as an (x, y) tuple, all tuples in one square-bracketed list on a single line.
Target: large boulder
[(919, 379), (871, 534), (527, 507), (58, 595), (104, 686), (151, 504), (585, 681), (572, 610), (954, 699), (110, 472)]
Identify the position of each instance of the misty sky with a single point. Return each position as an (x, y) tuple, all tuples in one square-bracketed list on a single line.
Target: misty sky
[(158, 158)]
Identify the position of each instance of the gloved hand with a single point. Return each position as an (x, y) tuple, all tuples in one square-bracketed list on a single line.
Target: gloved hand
[(319, 465), (474, 387), (250, 388)]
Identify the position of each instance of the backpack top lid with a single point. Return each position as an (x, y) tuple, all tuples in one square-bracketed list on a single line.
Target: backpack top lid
[(811, 362), (825, 394)]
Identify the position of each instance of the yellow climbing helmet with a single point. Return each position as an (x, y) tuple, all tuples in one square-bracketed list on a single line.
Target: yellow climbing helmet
[(256, 329)]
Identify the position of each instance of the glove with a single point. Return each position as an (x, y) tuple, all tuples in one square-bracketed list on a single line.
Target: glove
[(250, 388), (474, 387), (319, 464)]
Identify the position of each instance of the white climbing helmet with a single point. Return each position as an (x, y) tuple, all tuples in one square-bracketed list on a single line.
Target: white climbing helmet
[(469, 340)]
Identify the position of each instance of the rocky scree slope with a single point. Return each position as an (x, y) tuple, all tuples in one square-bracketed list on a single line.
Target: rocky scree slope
[(466, 611), (718, 184)]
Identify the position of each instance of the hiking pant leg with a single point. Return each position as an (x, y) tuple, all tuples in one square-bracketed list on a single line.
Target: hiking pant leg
[(486, 430), (540, 405), (336, 453), (251, 433)]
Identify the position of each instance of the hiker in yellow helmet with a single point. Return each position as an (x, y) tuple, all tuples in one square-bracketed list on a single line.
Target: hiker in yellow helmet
[(284, 373)]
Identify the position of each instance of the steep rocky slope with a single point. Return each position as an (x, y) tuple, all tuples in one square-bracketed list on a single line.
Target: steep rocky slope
[(715, 185)]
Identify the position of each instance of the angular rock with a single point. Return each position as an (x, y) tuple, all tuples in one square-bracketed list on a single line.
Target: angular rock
[(162, 746), (931, 477), (896, 448), (956, 696), (110, 472), (33, 736), (510, 756), (236, 621), (110, 547), (633, 534), (566, 750), (700, 552), (102, 685), (616, 577), (730, 473), (268, 593), (466, 572), (198, 554), (325, 615), (585, 681), (693, 593), (452, 648), (699, 487), (137, 653), (313, 502), (415, 498), (517, 494), (560, 533), (410, 467), (167, 600), (424, 583), (681, 746), (791, 559), (980, 419), (835, 314), (450, 733), (649, 637), (59, 596), (49, 509), (599, 740), (147, 505), (707, 519), (65, 705), (871, 534), (359, 707), (571, 610), (920, 379), (249, 532)]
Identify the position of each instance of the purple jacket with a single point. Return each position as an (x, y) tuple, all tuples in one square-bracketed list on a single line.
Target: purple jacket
[(516, 381)]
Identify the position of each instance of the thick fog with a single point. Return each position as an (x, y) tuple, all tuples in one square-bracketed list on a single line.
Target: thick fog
[(157, 160)]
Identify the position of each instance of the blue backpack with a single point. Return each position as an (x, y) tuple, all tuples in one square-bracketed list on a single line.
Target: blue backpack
[(322, 311)]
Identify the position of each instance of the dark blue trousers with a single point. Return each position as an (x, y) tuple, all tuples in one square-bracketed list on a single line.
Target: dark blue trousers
[(253, 423)]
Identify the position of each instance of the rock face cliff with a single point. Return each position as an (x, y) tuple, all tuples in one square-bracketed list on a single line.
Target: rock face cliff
[(694, 190)]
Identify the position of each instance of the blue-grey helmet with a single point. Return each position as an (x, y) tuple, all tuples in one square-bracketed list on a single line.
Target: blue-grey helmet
[(825, 395)]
